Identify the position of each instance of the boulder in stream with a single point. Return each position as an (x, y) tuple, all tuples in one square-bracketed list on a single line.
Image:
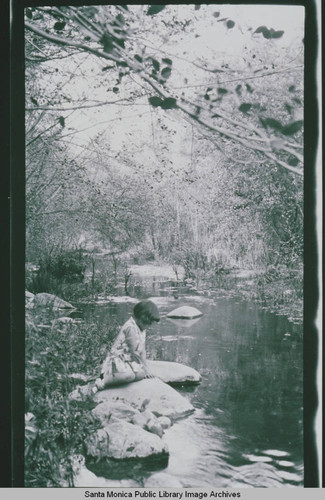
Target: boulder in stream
[(122, 440), (109, 411), (185, 312), (173, 373), (163, 399), (52, 301)]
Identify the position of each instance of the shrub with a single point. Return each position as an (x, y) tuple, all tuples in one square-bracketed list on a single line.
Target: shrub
[(55, 269)]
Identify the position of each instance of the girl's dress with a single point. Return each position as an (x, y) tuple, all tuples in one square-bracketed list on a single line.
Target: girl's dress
[(120, 359)]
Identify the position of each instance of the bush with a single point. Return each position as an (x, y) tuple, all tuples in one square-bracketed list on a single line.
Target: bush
[(60, 425), (55, 269)]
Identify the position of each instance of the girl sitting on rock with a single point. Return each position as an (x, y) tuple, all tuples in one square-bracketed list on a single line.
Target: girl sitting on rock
[(126, 361)]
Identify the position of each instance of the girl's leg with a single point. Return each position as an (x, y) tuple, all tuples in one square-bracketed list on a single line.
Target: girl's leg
[(118, 378), (139, 375)]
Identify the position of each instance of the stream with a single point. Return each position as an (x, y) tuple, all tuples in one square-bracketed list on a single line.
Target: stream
[(247, 427)]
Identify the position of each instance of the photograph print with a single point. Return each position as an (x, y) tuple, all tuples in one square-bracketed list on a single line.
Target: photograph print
[(164, 245)]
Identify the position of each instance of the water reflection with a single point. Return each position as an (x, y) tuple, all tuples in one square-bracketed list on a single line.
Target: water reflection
[(247, 427)]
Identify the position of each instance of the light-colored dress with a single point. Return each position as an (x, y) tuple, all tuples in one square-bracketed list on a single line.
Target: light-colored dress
[(121, 359)]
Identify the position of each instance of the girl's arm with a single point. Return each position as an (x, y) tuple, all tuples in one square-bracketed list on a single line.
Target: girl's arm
[(132, 341)]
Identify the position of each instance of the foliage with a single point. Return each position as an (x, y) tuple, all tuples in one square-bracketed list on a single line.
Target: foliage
[(57, 268), (53, 352), (211, 181), (118, 35)]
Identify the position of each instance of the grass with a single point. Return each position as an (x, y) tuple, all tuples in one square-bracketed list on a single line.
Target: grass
[(58, 427)]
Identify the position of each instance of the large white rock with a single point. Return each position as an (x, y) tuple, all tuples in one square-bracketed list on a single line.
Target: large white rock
[(185, 312), (49, 300), (184, 323), (173, 373), (122, 440), (83, 478), (110, 410), (163, 399)]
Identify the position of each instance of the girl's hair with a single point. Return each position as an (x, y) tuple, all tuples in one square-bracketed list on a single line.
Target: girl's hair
[(146, 310)]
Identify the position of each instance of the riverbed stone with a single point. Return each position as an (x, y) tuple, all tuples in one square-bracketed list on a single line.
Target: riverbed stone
[(163, 399), (185, 312), (162, 480), (109, 411), (49, 300), (148, 421), (165, 422), (173, 373), (123, 440)]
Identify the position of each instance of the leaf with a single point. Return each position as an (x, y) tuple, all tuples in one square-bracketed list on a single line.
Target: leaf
[(277, 34), (216, 14), (34, 101), (115, 90), (105, 68), (59, 26), (167, 61), (154, 9), (271, 122), (222, 91), (207, 97), (120, 19), (230, 24), (245, 107), (166, 72), (169, 103), (238, 89), (288, 108), (292, 88), (293, 161), (292, 128), (249, 88), (138, 58), (155, 64), (62, 121), (155, 101), (29, 14), (261, 29), (267, 34)]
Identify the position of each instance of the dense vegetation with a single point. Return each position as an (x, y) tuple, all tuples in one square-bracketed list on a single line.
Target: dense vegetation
[(148, 141), (214, 179)]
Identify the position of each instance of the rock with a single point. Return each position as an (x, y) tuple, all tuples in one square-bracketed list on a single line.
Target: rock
[(184, 323), (83, 477), (173, 373), (115, 409), (81, 392), (185, 312), (162, 480), (154, 426), (165, 422), (148, 421), (140, 420), (29, 300), (49, 300), (164, 400), (122, 440)]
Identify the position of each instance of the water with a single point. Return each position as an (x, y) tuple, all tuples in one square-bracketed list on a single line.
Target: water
[(247, 428)]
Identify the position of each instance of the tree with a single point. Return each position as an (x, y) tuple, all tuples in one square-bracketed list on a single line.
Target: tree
[(117, 34)]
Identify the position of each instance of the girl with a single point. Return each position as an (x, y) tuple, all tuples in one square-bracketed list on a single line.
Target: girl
[(126, 362)]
